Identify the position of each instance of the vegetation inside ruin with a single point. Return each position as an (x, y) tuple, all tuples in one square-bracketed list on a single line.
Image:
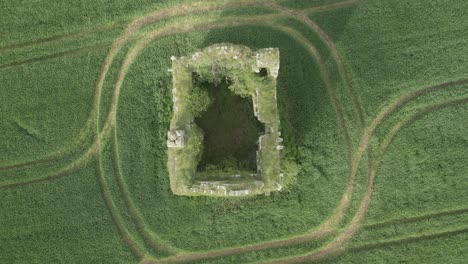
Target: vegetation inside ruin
[(230, 132)]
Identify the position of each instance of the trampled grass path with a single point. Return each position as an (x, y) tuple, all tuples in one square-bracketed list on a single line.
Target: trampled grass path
[(153, 240), (416, 218), (110, 125), (56, 155), (337, 5), (72, 52), (155, 16), (65, 170), (302, 16), (115, 95), (107, 123), (408, 239), (337, 245), (127, 237), (132, 54), (130, 57), (60, 37), (106, 27), (60, 153), (116, 45), (192, 256)]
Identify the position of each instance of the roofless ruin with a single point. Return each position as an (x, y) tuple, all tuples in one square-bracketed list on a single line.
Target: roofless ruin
[(224, 137)]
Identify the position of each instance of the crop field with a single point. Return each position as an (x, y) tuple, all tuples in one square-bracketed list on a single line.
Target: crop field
[(373, 104)]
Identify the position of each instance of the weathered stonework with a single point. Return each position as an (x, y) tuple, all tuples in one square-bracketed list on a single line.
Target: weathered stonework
[(183, 137)]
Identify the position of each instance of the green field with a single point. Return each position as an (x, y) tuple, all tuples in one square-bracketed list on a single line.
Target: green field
[(373, 104)]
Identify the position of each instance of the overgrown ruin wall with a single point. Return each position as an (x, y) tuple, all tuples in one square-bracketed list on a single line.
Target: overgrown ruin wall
[(215, 62)]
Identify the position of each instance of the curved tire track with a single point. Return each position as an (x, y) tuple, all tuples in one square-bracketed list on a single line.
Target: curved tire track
[(154, 241), (56, 155), (112, 120), (337, 246), (409, 239), (278, 243), (131, 55), (129, 58), (416, 218), (302, 16)]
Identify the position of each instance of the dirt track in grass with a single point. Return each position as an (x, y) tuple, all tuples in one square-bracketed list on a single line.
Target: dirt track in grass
[(324, 230)]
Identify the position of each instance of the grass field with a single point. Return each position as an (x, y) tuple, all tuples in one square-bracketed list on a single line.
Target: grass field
[(372, 98)]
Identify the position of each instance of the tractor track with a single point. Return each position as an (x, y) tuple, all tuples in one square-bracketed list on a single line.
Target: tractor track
[(334, 6), (76, 164), (70, 35), (352, 249), (110, 125), (136, 249), (302, 16), (160, 14), (360, 214), (416, 218), (72, 166), (111, 119), (137, 25), (131, 55), (155, 243), (411, 119), (408, 239), (264, 245), (105, 27), (110, 26), (61, 153), (71, 52), (337, 245), (112, 112), (155, 16), (133, 27)]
